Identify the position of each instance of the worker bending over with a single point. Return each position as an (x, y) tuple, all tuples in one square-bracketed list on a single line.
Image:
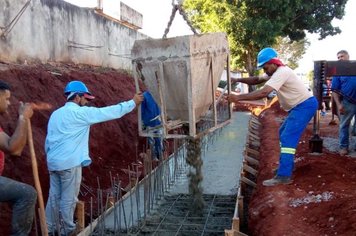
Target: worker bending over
[(293, 97)]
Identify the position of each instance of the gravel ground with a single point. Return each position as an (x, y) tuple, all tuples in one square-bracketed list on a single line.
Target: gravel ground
[(332, 145)]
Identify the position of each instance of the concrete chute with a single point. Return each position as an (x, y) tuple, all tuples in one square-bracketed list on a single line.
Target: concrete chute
[(182, 74)]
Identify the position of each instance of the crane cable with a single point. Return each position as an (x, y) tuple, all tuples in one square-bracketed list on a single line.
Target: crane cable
[(178, 6), (5, 30)]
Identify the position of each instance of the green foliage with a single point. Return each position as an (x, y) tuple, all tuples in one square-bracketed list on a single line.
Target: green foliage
[(254, 24), (290, 52)]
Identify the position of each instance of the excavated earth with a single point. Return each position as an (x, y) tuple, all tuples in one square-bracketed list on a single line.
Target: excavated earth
[(321, 200)]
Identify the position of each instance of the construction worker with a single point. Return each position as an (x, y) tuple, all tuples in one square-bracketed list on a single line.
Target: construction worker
[(67, 150), (344, 95), (20, 195), (293, 97), (150, 114)]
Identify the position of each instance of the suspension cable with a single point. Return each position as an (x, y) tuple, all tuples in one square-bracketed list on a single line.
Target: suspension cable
[(7, 29), (178, 6)]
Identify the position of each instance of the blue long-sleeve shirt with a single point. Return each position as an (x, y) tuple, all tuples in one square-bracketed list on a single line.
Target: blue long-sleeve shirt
[(67, 141)]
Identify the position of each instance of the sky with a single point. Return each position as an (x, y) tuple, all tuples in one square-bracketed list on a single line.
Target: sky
[(156, 14)]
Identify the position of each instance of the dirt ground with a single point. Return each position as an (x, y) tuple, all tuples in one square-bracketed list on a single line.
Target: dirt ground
[(319, 202), (321, 199)]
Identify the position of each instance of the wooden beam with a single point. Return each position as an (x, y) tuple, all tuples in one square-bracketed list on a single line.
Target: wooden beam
[(248, 182), (235, 224), (250, 170), (254, 136), (241, 208), (252, 151), (251, 160), (79, 213)]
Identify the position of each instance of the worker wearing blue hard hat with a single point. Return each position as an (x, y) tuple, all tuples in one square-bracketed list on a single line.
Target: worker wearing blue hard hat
[(67, 150), (265, 55), (293, 97)]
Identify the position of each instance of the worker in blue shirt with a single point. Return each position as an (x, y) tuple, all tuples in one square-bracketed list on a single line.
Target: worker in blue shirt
[(344, 95), (67, 150), (150, 114)]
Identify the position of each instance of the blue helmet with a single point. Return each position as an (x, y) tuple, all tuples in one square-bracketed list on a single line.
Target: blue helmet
[(265, 55), (76, 87)]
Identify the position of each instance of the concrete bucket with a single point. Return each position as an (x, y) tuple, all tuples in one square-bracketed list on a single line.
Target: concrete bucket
[(182, 74)]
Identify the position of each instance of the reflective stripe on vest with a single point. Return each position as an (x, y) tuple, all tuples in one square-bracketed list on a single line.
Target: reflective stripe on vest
[(288, 150)]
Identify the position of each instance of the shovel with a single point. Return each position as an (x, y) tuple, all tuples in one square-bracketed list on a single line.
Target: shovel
[(41, 212), (316, 143)]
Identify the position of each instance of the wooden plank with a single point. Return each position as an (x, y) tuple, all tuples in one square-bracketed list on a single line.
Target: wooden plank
[(248, 182), (254, 136), (235, 224), (241, 209), (253, 143), (79, 213), (255, 120), (254, 127), (252, 151), (230, 232), (161, 88), (139, 118), (250, 170), (251, 160)]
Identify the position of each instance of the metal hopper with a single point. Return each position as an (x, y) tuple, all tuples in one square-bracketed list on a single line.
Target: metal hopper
[(182, 74)]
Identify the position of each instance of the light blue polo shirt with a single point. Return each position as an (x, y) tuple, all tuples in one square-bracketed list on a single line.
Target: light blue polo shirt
[(67, 141)]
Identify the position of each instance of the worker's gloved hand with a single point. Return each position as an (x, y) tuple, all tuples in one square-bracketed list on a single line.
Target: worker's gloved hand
[(138, 98), (25, 110)]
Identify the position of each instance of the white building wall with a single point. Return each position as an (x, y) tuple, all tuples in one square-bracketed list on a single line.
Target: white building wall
[(57, 31)]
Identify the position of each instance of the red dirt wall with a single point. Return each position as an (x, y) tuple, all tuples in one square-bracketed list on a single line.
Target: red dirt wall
[(112, 144), (321, 199)]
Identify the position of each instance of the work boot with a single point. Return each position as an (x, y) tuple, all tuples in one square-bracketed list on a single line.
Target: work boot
[(343, 152), (277, 180)]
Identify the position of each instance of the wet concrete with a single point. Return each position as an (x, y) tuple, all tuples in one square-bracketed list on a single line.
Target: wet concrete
[(222, 160), (222, 163)]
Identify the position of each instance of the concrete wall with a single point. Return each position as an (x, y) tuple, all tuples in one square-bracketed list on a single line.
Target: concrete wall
[(129, 15), (56, 31)]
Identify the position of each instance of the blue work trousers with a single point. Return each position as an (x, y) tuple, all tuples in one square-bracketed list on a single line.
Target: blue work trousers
[(291, 131), (345, 121), (62, 200), (23, 199)]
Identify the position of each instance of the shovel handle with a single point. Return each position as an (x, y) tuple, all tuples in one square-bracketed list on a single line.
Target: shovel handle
[(42, 214)]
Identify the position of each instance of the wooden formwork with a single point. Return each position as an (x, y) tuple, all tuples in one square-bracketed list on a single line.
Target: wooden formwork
[(248, 174)]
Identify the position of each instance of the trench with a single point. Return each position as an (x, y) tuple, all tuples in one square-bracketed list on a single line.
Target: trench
[(163, 204)]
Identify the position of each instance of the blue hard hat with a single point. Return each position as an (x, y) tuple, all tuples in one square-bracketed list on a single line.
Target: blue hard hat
[(265, 55), (76, 87)]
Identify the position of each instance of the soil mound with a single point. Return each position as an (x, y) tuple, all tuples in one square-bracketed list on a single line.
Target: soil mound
[(113, 145)]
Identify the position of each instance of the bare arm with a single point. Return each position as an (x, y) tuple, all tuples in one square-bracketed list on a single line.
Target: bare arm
[(138, 98), (252, 80), (339, 106), (255, 95), (15, 144)]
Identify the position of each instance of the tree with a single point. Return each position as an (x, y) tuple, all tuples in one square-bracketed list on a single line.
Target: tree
[(290, 52), (254, 24)]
